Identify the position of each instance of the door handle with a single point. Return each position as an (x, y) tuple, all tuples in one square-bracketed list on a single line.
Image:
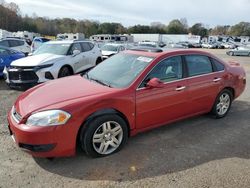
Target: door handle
[(216, 79), (180, 88)]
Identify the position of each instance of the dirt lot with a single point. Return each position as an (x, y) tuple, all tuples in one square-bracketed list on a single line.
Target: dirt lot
[(198, 152)]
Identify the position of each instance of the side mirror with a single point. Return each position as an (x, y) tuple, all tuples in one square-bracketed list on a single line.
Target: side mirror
[(155, 83), (76, 52)]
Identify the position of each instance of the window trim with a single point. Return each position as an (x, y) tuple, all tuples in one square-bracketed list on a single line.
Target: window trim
[(183, 70), (188, 74), (185, 73)]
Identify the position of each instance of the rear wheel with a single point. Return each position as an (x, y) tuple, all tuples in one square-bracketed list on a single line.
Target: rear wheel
[(104, 135), (65, 71), (231, 53), (222, 104)]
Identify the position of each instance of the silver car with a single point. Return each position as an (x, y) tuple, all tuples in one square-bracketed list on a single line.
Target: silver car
[(239, 51)]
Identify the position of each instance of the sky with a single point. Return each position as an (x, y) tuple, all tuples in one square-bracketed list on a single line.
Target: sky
[(132, 12)]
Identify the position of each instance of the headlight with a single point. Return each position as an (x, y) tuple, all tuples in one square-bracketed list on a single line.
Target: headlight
[(48, 118)]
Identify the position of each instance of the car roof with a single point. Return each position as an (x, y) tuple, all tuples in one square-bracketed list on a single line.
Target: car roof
[(65, 41), (168, 52), (114, 44), (10, 38)]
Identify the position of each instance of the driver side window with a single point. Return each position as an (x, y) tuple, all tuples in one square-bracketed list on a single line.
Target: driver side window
[(167, 70), (75, 46)]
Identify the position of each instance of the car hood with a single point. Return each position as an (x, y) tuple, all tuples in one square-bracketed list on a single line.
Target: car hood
[(36, 60), (58, 91), (108, 53)]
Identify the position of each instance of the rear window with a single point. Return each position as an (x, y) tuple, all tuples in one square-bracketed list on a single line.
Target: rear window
[(198, 65), (45, 40), (14, 43), (3, 52), (85, 46), (4, 43), (217, 65)]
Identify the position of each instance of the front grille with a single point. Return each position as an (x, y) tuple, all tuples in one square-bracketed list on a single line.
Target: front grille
[(16, 116), (23, 75)]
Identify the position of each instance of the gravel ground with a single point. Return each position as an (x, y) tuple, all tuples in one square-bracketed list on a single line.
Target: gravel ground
[(198, 152)]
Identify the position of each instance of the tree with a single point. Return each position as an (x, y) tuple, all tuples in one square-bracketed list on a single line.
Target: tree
[(240, 29), (198, 29), (220, 30), (176, 27)]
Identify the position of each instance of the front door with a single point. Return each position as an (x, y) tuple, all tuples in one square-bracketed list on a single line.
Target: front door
[(157, 106)]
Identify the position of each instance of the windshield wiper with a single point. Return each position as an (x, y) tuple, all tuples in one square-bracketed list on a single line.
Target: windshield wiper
[(99, 81)]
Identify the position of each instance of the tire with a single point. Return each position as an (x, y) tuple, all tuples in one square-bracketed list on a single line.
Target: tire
[(98, 61), (104, 136), (231, 53), (64, 71), (222, 104)]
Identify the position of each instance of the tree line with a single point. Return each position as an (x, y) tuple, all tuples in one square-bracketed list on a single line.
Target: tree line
[(12, 20)]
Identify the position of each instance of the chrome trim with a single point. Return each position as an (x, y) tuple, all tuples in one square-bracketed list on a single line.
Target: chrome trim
[(180, 88), (15, 115), (217, 79), (138, 89)]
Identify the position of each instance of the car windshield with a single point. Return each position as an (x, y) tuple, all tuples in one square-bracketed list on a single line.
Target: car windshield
[(109, 48), (57, 49), (119, 71)]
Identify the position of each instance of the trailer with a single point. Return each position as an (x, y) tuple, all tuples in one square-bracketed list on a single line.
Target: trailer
[(70, 36)]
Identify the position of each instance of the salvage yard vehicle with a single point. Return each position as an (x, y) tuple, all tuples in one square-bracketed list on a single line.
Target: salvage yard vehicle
[(240, 51), (37, 42), (16, 44), (128, 93), (7, 55), (54, 59), (111, 49)]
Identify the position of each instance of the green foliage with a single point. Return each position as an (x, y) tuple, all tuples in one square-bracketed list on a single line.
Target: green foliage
[(176, 27), (198, 29), (240, 29)]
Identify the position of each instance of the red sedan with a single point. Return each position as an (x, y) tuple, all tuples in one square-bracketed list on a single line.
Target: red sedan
[(128, 93)]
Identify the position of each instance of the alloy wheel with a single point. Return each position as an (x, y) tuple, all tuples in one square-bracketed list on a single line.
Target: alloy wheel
[(107, 137), (223, 104)]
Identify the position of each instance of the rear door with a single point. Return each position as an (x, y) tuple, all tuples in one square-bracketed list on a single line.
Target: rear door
[(204, 82), (77, 60), (157, 106), (91, 53)]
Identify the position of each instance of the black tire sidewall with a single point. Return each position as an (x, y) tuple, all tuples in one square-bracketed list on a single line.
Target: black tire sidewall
[(214, 110), (88, 132), (61, 72)]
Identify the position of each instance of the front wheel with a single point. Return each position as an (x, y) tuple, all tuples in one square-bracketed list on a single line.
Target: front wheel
[(222, 104), (104, 135), (64, 71)]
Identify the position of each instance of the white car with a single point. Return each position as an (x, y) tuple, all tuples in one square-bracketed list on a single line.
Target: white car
[(16, 44), (37, 42), (111, 49), (54, 59)]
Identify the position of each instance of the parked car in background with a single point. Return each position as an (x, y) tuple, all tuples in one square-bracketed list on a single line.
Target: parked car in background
[(54, 59), (209, 45), (128, 93), (37, 42), (240, 51), (110, 49), (7, 55), (148, 44), (228, 45), (16, 44)]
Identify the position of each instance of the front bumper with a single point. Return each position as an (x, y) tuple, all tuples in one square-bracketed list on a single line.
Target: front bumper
[(22, 78), (53, 141)]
